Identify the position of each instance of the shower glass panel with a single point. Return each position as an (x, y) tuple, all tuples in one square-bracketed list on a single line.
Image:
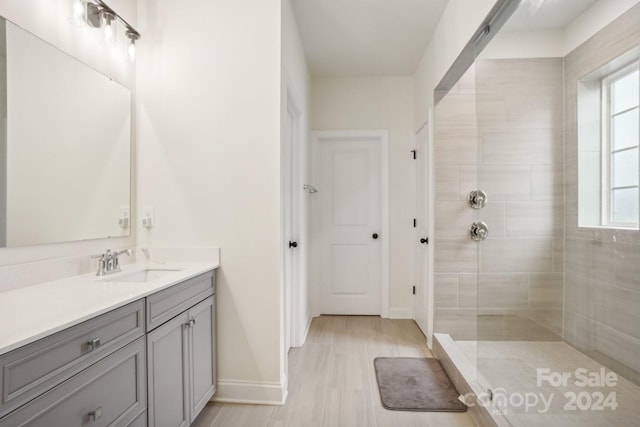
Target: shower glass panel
[(558, 270)]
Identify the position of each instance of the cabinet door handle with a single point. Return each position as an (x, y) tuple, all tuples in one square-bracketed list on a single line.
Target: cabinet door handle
[(194, 321), (93, 344), (95, 414), (190, 323)]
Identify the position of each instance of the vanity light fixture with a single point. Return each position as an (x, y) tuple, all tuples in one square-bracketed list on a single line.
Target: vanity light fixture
[(108, 19), (97, 14), (132, 36)]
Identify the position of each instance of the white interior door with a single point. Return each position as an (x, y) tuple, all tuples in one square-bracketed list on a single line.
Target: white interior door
[(422, 229), (350, 225)]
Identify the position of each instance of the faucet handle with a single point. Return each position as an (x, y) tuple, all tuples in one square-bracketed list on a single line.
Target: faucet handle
[(98, 256)]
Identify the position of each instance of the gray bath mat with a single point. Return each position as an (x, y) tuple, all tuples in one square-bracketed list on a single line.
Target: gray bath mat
[(416, 384)]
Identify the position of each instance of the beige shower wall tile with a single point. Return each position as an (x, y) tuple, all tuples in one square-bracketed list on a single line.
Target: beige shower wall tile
[(549, 318), (445, 291), (467, 290), (455, 111), (492, 111), (627, 266), (619, 309), (534, 219), (458, 146), (617, 345), (461, 324), (503, 291), (505, 183), (447, 183), (468, 181), (455, 255), (547, 182), (546, 290), (531, 146), (558, 254), (493, 214), (539, 110), (452, 219), (505, 76), (516, 255)]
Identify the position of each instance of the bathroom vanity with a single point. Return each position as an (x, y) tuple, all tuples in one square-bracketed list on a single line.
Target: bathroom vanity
[(133, 349)]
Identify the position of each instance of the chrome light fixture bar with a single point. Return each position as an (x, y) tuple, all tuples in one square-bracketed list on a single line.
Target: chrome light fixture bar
[(97, 14)]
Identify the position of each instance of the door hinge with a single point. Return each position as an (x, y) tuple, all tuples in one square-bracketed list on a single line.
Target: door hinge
[(414, 154), (415, 223), (414, 290)]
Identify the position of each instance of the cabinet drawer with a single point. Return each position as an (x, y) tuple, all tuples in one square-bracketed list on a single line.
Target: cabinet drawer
[(167, 304), (141, 421), (110, 393), (29, 371)]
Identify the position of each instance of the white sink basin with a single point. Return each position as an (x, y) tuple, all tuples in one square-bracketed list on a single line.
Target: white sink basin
[(146, 275)]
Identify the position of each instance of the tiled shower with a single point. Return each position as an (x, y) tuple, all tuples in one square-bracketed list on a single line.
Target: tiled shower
[(543, 291)]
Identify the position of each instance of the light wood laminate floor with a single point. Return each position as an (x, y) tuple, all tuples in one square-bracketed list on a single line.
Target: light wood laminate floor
[(332, 381)]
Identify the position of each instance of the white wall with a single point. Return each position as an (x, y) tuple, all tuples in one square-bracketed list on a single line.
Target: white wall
[(51, 20), (208, 112), (459, 21), (380, 103), (296, 81)]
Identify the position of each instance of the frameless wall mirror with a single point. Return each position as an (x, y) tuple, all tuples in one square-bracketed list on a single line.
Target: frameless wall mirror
[(65, 138)]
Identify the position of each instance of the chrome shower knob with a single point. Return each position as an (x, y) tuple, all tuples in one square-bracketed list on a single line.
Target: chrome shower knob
[(478, 231), (477, 199)]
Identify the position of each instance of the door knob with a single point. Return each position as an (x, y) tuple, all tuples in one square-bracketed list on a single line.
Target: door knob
[(293, 244), (424, 240), (375, 236)]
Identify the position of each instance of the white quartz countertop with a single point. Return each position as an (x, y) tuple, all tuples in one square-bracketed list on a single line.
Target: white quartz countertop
[(34, 312)]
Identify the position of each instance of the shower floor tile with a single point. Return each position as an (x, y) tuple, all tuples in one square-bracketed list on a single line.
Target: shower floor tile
[(523, 371)]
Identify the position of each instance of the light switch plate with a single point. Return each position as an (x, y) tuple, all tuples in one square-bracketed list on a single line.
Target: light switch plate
[(148, 216)]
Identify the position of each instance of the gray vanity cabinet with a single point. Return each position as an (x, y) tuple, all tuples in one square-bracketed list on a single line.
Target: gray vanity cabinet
[(181, 352), (202, 354), (168, 373), (106, 371), (111, 392)]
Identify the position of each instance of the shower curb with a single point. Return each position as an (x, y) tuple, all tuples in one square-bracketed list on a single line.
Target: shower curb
[(463, 375)]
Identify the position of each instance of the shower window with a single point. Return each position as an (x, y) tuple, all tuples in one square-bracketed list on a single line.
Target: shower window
[(620, 147)]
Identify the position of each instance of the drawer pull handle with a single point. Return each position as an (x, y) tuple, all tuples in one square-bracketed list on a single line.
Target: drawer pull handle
[(95, 414), (93, 344)]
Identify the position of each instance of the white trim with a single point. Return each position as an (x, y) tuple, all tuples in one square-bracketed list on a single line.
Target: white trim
[(401, 313), (423, 315), (250, 392), (432, 227), (381, 135)]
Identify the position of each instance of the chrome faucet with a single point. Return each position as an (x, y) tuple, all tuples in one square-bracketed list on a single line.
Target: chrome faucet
[(108, 262)]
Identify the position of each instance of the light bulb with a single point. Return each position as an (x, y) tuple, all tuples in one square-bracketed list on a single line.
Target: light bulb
[(108, 26), (132, 51), (78, 12), (108, 34)]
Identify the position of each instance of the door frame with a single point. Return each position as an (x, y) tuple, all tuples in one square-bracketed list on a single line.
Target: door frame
[(293, 325), (317, 138), (425, 319)]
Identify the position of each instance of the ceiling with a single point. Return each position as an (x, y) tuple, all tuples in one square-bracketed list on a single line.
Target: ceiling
[(366, 37), (551, 15)]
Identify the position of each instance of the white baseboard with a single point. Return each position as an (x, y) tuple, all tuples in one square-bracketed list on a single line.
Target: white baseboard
[(400, 313), (250, 392), (306, 330)]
